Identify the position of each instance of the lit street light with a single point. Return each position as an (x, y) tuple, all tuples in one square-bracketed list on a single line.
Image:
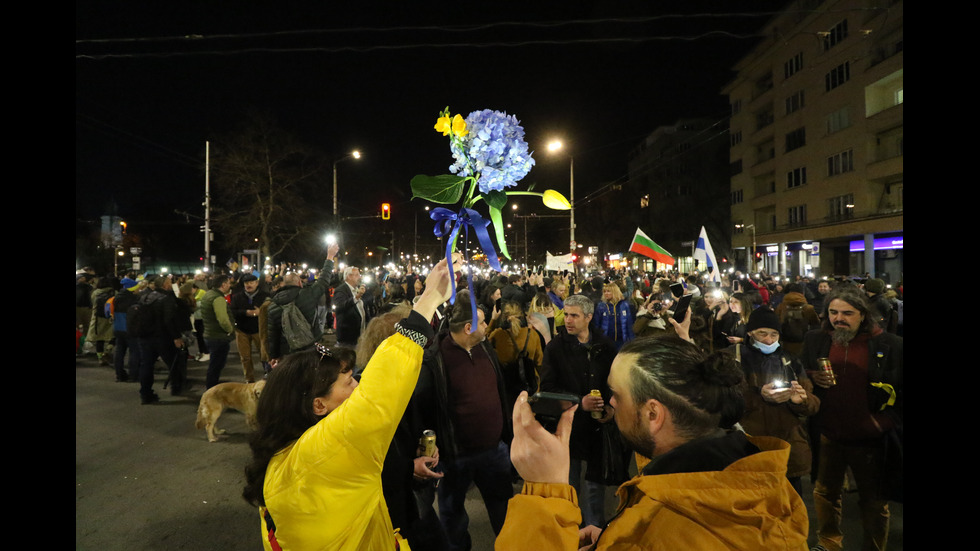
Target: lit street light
[(553, 147), (355, 155)]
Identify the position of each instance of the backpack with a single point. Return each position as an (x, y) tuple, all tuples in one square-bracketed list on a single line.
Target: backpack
[(133, 318), (100, 305), (794, 324), (296, 328)]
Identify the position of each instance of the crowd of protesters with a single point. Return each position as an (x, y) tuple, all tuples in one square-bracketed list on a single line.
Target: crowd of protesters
[(529, 334)]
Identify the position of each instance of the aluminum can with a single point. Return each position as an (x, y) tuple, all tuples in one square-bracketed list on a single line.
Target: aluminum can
[(596, 394), (824, 364), (428, 443)]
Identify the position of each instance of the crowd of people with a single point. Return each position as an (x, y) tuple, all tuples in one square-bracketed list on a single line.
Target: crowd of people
[(361, 442)]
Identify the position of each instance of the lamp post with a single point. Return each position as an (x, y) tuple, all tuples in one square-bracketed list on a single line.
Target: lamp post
[(417, 230), (356, 155), (554, 146)]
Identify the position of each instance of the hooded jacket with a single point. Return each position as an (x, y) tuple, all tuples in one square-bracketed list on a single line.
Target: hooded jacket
[(748, 505)]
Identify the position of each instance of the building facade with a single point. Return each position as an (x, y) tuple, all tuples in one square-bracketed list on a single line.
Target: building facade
[(677, 175), (816, 142)]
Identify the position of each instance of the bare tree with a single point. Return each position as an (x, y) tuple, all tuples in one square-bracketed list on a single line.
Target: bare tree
[(265, 183)]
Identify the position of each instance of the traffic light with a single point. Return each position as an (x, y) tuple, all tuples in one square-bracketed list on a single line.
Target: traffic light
[(386, 211)]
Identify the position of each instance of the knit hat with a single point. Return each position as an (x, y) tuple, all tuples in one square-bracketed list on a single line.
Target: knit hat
[(128, 283), (876, 286), (763, 317)]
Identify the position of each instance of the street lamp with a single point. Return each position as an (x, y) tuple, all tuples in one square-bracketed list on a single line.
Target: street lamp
[(554, 146), (355, 155)]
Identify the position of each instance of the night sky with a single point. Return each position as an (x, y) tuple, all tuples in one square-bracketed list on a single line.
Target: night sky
[(153, 84)]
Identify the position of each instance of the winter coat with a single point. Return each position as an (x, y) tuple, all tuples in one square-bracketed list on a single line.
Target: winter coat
[(749, 505), (615, 322), (324, 490), (306, 298), (576, 368), (786, 421), (218, 324), (100, 326)]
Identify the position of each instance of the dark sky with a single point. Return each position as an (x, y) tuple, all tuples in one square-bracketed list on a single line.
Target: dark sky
[(599, 75)]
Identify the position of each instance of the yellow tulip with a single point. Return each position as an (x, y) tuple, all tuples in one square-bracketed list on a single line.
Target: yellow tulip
[(554, 200)]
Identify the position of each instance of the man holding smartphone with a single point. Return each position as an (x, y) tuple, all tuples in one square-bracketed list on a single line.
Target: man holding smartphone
[(577, 361), (675, 405)]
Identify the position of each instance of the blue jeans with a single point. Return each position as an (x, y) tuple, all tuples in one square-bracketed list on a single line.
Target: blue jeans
[(490, 471), (219, 356), (591, 496)]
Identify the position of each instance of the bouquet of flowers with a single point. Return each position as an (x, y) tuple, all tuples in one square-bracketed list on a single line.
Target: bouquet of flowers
[(491, 156)]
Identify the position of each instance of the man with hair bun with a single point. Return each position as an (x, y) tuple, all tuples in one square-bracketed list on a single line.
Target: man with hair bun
[(707, 485)]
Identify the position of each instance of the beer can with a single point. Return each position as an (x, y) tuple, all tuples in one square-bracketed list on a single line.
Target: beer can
[(596, 394), (428, 443), (826, 367)]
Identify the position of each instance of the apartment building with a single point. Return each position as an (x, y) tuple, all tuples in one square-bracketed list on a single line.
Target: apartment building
[(817, 142)]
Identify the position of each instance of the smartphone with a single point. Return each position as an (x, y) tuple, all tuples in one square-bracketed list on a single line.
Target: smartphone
[(677, 289), (497, 304), (680, 309), (551, 405)]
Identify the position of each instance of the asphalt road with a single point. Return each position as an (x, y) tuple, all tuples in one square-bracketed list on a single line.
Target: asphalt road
[(146, 479)]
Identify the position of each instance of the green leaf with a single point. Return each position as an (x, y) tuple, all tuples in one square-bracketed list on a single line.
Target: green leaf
[(445, 189), (496, 199), (498, 227)]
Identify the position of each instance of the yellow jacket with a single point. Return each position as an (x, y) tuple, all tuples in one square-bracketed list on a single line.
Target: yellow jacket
[(748, 506), (324, 490)]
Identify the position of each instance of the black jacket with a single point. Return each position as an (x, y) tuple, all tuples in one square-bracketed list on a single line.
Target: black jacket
[(575, 368), (429, 407), (307, 299), (158, 315)]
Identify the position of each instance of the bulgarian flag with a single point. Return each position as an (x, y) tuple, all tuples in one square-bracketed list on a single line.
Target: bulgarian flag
[(644, 245)]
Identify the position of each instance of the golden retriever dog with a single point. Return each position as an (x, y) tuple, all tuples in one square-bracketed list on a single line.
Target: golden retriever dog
[(241, 396)]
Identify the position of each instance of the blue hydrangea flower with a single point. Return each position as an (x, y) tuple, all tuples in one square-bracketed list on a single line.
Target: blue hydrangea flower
[(494, 149)]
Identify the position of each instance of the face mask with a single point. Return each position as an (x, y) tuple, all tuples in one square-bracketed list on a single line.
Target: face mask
[(766, 348)]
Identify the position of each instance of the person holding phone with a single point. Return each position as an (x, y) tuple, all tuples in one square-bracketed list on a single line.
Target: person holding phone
[(676, 405), (317, 456), (778, 394)]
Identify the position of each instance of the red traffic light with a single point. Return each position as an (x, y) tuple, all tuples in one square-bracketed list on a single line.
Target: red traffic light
[(385, 211)]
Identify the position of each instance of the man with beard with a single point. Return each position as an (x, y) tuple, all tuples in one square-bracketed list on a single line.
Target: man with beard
[(705, 487), (860, 400)]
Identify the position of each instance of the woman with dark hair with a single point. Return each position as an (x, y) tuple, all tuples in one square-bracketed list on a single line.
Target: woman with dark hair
[(741, 305), (318, 453)]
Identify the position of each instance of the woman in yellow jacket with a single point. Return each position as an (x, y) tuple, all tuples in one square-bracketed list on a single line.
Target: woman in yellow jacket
[(322, 438)]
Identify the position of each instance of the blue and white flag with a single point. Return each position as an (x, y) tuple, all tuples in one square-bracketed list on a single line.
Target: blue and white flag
[(704, 254)]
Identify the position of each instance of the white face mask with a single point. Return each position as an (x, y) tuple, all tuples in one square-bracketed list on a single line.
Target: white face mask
[(766, 348)]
